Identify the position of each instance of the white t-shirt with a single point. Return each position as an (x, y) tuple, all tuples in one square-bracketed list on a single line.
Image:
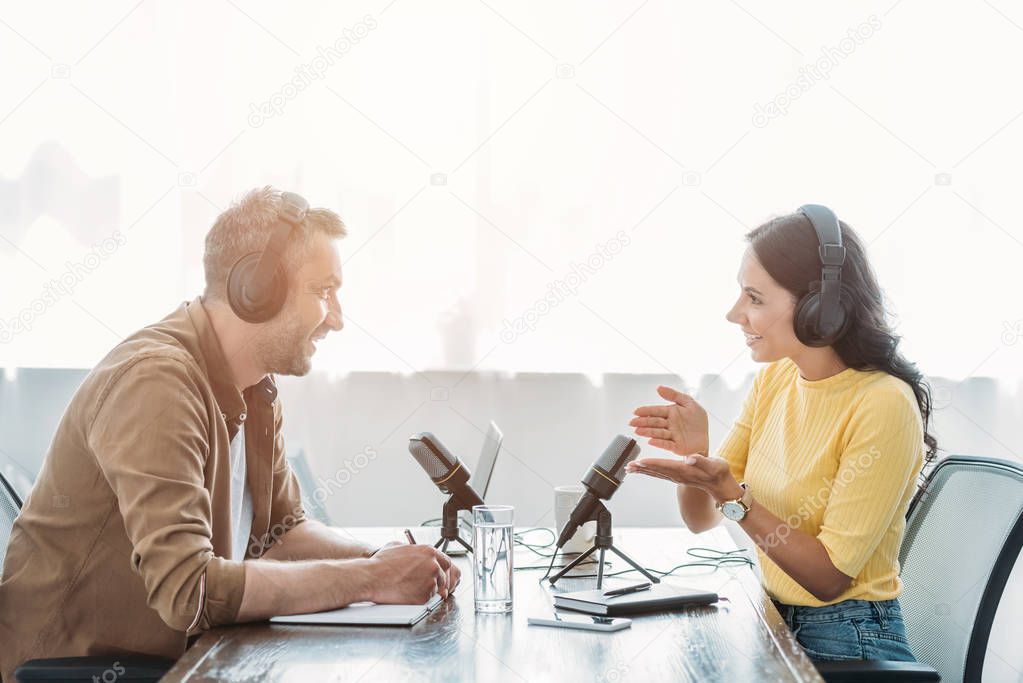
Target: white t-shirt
[(241, 498)]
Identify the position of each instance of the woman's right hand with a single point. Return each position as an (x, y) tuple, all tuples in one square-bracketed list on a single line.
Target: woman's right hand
[(680, 427)]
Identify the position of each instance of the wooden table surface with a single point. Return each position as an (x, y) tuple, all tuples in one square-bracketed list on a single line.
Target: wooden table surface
[(743, 639)]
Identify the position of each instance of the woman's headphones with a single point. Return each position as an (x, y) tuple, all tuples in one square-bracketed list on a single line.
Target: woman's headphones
[(257, 285), (823, 315)]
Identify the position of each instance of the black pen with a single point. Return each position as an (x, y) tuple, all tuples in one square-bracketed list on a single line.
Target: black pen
[(628, 589)]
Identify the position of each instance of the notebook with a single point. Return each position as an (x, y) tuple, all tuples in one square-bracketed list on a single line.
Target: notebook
[(365, 614), (659, 597)]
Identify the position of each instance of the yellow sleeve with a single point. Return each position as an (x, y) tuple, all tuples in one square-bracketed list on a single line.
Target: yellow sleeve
[(735, 448), (883, 455)]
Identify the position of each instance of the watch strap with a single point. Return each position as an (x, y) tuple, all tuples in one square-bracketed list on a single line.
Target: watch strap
[(745, 500)]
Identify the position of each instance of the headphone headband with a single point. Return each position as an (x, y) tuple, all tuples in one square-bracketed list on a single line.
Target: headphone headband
[(290, 215), (829, 233)]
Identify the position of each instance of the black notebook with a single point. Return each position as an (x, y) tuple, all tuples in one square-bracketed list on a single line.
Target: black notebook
[(659, 597)]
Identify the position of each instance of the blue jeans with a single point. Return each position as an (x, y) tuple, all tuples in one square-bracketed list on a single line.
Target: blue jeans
[(851, 629)]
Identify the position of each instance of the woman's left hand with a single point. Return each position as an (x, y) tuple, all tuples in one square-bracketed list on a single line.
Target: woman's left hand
[(709, 474)]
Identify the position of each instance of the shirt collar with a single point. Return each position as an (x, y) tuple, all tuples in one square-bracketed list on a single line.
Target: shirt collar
[(231, 401)]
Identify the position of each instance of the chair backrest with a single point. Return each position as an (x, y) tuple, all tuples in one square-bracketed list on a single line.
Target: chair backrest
[(10, 506), (963, 535), (18, 478), (313, 504)]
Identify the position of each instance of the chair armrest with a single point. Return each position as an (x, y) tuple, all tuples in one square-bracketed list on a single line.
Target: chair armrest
[(119, 668), (875, 671)]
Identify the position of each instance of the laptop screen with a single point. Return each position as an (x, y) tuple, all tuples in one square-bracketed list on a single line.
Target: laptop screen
[(484, 471)]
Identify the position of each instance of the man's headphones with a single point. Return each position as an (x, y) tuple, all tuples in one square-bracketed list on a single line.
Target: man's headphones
[(257, 285), (823, 316)]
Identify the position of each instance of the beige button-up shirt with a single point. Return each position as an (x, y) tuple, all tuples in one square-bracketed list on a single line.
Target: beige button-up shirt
[(120, 547)]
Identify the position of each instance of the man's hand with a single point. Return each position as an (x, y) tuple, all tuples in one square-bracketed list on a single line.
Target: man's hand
[(411, 574)]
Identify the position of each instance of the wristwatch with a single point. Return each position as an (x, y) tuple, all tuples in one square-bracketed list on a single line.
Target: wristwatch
[(736, 510)]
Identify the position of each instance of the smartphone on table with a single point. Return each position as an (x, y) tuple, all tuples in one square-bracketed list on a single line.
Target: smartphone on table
[(583, 622)]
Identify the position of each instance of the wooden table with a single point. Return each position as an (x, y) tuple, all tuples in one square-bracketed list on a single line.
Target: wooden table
[(743, 639)]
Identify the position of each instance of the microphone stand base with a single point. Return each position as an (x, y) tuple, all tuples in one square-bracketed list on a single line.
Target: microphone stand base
[(444, 542), (449, 526), (602, 542)]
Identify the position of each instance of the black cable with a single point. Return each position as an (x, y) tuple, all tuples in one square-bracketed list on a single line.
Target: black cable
[(712, 558), (549, 567), (536, 547)]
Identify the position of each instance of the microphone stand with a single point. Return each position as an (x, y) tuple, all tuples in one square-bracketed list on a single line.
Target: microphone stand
[(449, 524), (602, 542)]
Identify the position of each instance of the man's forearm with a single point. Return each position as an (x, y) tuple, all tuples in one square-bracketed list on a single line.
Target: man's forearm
[(273, 588), (312, 540)]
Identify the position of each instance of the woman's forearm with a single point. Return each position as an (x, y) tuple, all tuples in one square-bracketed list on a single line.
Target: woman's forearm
[(800, 555), (697, 509)]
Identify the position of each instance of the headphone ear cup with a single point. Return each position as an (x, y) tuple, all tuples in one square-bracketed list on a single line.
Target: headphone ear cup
[(847, 317), (802, 319), (806, 313), (244, 306)]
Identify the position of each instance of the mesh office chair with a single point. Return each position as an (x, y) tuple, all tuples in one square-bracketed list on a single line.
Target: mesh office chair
[(18, 478), (10, 506), (963, 535), (314, 508), (137, 668)]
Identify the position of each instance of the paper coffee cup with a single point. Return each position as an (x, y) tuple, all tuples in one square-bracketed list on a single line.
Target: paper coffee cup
[(565, 499)]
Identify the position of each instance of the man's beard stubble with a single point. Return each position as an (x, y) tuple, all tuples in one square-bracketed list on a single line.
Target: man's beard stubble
[(281, 348)]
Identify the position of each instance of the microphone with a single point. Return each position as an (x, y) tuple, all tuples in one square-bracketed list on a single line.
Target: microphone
[(601, 482), (445, 469)]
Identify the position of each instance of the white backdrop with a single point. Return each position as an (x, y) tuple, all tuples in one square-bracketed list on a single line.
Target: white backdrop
[(608, 156)]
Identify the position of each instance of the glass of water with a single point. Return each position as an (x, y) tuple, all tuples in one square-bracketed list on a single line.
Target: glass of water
[(492, 557)]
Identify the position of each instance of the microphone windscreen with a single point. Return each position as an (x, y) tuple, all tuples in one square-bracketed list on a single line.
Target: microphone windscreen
[(621, 451), (431, 455)]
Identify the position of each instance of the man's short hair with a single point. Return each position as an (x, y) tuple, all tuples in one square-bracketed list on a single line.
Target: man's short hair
[(245, 227)]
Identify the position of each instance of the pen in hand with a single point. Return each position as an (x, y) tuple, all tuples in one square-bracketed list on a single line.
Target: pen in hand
[(412, 541)]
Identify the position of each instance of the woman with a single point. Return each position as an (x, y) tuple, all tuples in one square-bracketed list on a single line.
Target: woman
[(820, 466)]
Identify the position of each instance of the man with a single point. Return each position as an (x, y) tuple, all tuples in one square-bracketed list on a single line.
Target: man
[(165, 505)]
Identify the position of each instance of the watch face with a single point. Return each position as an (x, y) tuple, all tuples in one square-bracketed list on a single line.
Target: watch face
[(733, 511)]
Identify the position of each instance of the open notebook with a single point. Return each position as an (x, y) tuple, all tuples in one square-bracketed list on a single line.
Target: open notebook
[(365, 614)]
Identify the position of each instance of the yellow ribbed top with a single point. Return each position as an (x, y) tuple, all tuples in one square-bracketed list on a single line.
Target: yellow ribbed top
[(837, 459)]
